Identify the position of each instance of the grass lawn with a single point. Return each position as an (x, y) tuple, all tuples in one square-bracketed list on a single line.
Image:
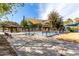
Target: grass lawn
[(69, 37)]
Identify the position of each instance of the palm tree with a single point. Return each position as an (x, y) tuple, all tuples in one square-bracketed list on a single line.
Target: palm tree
[(56, 22)]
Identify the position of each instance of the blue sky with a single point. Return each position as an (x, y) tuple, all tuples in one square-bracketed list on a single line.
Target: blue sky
[(41, 11), (29, 11)]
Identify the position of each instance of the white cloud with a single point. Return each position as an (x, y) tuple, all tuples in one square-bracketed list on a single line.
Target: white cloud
[(67, 10), (73, 11), (45, 9)]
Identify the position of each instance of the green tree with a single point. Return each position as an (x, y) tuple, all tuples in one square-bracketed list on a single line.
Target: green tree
[(7, 8), (28, 24), (33, 26), (68, 21), (56, 21), (24, 22)]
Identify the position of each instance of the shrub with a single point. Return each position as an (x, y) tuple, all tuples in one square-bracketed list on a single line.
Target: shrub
[(69, 29)]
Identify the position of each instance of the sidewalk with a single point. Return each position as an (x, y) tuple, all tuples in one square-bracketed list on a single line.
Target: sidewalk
[(5, 48)]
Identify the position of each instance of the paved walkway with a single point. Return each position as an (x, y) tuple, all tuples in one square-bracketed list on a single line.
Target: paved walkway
[(5, 48), (27, 46)]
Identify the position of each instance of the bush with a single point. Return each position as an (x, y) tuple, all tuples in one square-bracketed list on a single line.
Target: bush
[(69, 29)]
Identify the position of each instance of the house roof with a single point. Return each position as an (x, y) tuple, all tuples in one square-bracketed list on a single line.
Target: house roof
[(34, 21), (10, 24), (74, 24)]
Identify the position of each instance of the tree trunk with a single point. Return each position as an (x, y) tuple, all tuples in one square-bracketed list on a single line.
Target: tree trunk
[(3, 29)]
